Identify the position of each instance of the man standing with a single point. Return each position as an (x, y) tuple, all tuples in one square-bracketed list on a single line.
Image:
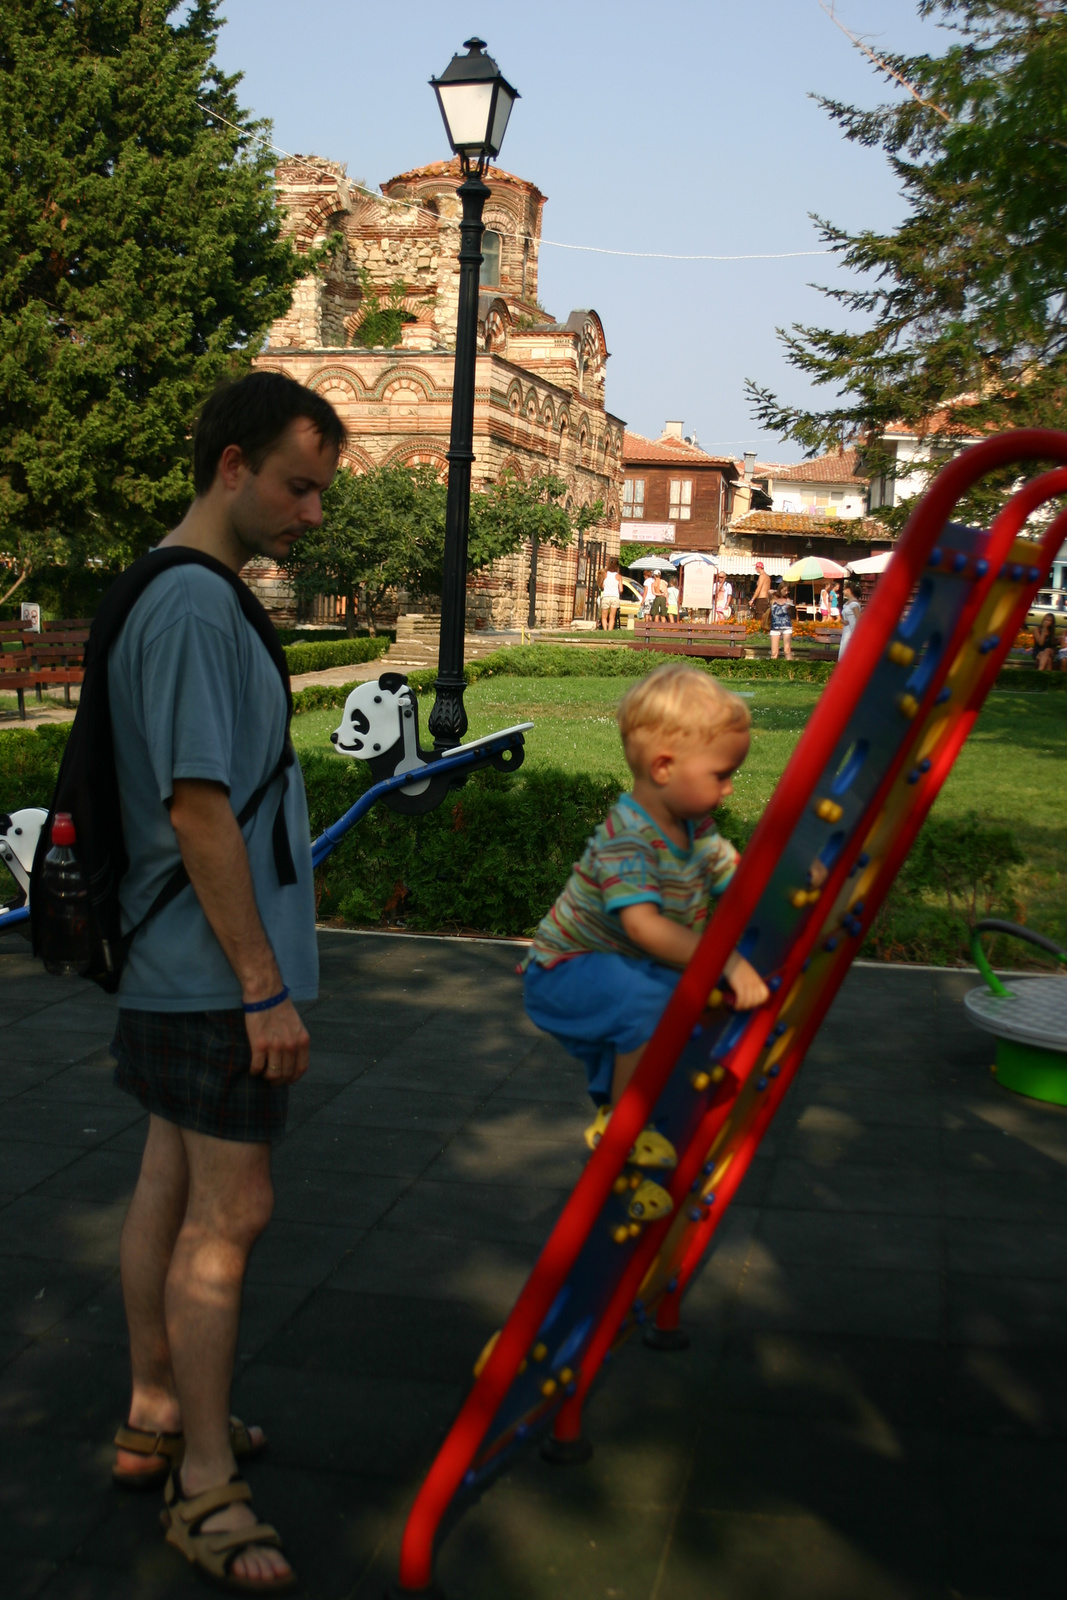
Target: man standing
[(761, 595), (208, 1035)]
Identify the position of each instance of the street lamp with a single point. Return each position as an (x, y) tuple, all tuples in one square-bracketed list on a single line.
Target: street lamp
[(475, 101)]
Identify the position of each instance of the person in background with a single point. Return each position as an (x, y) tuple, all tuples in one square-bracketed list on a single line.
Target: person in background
[(824, 603), (610, 593), (781, 622), (723, 595), (761, 595), (835, 604), (1046, 645), (649, 594), (658, 608), (672, 600), (850, 615)]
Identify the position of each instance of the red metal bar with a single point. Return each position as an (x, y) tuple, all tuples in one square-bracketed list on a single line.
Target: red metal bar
[(736, 907)]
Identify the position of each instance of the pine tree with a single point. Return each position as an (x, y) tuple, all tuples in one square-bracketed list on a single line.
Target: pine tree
[(966, 302), (140, 263)]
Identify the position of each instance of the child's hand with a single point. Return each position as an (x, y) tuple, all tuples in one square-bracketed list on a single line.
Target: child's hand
[(749, 988)]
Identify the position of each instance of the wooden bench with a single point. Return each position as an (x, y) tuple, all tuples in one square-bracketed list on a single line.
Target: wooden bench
[(38, 668), (707, 639)]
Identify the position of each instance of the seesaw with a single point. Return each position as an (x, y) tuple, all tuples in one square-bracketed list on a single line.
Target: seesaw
[(379, 725), (861, 781), (1028, 1021)]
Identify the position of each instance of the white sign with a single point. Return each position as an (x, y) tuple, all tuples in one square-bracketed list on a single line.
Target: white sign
[(697, 586), (31, 616), (647, 532)]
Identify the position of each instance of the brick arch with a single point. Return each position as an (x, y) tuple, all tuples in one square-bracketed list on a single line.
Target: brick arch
[(548, 415), (317, 221), (337, 377), (420, 451), (356, 460), (514, 397), (413, 375), (513, 465)]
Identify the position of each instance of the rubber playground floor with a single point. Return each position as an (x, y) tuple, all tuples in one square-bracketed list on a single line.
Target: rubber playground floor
[(873, 1407)]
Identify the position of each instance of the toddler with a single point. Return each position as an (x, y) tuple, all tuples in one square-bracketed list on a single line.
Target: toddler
[(607, 957)]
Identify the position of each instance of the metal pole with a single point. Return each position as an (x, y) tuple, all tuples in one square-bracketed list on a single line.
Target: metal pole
[(448, 719)]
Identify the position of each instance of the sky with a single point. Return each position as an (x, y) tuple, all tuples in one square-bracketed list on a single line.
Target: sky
[(683, 127)]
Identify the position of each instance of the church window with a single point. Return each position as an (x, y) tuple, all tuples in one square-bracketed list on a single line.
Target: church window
[(681, 499), (490, 272), (633, 498)]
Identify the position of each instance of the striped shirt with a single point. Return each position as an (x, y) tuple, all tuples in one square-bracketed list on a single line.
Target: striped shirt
[(629, 861)]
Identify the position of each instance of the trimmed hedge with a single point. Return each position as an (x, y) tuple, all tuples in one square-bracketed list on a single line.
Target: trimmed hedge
[(317, 657), (493, 857)]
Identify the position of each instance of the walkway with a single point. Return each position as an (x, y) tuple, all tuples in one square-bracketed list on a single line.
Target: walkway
[(873, 1408)]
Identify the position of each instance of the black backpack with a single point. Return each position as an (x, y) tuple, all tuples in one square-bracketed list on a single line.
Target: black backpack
[(88, 788)]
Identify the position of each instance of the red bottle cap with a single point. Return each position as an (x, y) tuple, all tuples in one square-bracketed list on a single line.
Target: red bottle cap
[(63, 828)]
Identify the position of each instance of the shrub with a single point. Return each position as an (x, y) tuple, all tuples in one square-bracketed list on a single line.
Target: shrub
[(317, 657), (29, 764)]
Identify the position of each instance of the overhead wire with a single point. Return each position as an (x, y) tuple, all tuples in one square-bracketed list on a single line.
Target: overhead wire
[(528, 238)]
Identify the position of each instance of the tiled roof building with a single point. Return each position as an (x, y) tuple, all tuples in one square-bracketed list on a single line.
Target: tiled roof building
[(674, 493)]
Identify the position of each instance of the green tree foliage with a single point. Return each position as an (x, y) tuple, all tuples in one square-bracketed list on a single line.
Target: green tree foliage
[(380, 325), (385, 529), (965, 304), (140, 263)]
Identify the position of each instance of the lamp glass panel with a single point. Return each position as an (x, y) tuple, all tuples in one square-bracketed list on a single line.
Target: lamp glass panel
[(467, 108), (504, 102)]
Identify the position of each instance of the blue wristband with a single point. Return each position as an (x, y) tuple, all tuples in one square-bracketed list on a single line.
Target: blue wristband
[(266, 1005)]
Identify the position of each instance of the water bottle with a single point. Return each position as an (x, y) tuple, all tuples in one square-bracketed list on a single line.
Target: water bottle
[(65, 942)]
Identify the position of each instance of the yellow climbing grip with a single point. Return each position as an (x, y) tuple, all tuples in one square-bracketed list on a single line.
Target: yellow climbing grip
[(548, 1388), (828, 810), (804, 897), (907, 705), (714, 999), (479, 1365), (700, 1080), (718, 1074), (621, 1233), (902, 654), (539, 1352), (651, 1149), (650, 1202), (621, 1184), (566, 1375)]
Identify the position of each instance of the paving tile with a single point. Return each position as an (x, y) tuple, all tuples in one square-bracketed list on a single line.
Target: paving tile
[(826, 1137), (1003, 1311), (738, 1555), (66, 1389), (353, 1201), (41, 1119), (346, 1419), (482, 1153), (486, 1274), (299, 1254), (25, 1165), (371, 1106), (51, 1503), (872, 1387), (1011, 1390), (36, 1294), (55, 1230), (382, 1335), (862, 1302), (24, 1578), (852, 1187), (854, 1238), (524, 1213), (103, 1175), (324, 1144), (1030, 1249)]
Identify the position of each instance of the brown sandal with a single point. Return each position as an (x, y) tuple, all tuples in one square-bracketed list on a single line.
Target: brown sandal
[(171, 1446), (213, 1554)]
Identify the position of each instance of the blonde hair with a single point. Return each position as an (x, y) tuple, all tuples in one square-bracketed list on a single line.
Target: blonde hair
[(681, 705)]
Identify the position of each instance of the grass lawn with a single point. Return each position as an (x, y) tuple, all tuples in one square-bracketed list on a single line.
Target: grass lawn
[(1013, 770)]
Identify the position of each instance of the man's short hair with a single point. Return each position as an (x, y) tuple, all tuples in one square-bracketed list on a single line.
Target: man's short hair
[(676, 705), (253, 413)]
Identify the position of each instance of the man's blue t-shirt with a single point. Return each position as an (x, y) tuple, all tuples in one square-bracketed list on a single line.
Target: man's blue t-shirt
[(194, 694)]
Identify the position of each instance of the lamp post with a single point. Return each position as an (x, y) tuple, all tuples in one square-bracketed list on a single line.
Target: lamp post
[(475, 101)]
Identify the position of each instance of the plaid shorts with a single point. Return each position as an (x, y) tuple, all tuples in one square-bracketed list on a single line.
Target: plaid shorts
[(192, 1068)]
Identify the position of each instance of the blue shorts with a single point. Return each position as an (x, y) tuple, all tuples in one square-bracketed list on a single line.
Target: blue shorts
[(599, 1006)]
